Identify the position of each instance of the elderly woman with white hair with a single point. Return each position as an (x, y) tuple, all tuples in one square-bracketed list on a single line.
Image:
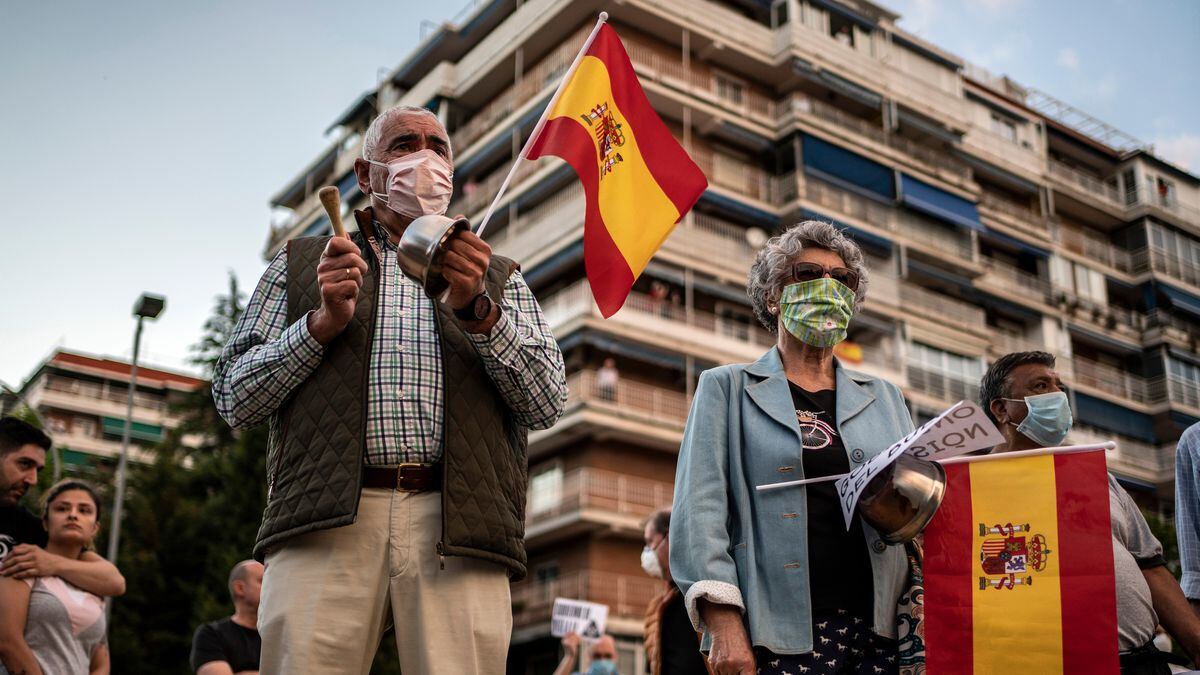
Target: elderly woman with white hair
[(774, 579)]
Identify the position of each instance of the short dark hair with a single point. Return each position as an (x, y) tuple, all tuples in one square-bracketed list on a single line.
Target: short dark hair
[(65, 485), (995, 382), (238, 573), (661, 520), (16, 433)]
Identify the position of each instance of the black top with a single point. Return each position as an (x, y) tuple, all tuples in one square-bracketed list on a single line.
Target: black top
[(839, 564), (679, 646), (19, 526), (226, 641)]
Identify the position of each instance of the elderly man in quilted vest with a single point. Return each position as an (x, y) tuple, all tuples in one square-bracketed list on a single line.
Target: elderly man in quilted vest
[(396, 469)]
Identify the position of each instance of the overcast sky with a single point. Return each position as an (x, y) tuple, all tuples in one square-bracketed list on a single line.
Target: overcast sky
[(141, 140)]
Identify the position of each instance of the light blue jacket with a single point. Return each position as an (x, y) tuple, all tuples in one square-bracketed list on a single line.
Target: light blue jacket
[(735, 545)]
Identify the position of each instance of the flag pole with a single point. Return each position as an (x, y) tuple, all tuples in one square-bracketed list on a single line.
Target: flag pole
[(962, 459), (537, 129), (1060, 450)]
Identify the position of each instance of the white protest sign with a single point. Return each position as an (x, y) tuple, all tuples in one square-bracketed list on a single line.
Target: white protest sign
[(961, 428), (585, 619)]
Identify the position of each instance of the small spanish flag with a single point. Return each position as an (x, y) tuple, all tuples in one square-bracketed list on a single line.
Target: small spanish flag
[(637, 180), (1019, 569)]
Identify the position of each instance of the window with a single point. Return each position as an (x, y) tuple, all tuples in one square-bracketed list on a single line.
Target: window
[(545, 489), (730, 89), (1078, 280), (734, 321), (1183, 379), (1164, 191), (841, 29), (779, 13), (1130, 181), (1004, 128), (85, 426)]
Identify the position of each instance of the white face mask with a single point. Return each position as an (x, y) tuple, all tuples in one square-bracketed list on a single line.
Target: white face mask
[(419, 184), (650, 563)]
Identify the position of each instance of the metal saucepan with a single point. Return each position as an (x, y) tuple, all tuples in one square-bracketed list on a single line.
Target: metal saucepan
[(421, 249), (901, 500)]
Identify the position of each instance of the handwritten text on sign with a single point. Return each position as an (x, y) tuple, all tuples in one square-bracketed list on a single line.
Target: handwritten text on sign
[(585, 619), (962, 428)]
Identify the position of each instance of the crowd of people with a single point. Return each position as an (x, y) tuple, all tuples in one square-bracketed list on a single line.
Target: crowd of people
[(397, 468)]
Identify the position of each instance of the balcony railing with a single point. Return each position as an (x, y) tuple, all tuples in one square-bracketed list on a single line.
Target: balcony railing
[(1172, 205), (942, 386), (1183, 392), (945, 238), (1112, 380), (707, 238), (543, 75), (943, 307), (608, 491), (1093, 247), (667, 66), (848, 203), (916, 229), (475, 196), (939, 159), (1006, 343), (102, 393), (741, 177), (1016, 281), (1102, 190), (1170, 265), (1019, 212), (1130, 452), (740, 337), (539, 228), (1176, 326), (628, 398), (627, 596)]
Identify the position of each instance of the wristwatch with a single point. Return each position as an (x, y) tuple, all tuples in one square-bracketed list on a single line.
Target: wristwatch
[(478, 309)]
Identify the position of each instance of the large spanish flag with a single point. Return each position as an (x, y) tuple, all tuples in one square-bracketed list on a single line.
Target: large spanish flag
[(637, 180), (1019, 569)]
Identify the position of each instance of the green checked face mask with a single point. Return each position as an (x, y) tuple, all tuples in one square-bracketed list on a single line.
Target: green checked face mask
[(817, 312)]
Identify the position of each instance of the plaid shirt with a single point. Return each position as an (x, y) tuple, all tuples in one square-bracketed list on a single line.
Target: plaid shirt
[(265, 360), (1187, 509)]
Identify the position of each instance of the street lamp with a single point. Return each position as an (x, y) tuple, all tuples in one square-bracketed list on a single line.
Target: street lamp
[(147, 307)]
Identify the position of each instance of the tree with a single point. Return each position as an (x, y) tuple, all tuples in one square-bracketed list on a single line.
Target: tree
[(191, 516)]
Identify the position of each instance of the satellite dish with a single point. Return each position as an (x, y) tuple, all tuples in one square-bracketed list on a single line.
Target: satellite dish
[(756, 237)]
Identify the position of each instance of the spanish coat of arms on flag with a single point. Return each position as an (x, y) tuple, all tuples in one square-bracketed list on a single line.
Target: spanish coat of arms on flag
[(1019, 569)]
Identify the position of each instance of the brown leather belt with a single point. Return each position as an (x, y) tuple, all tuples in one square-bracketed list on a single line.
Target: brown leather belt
[(405, 478)]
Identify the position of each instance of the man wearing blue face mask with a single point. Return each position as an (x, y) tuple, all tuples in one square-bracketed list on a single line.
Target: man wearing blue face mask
[(1024, 397), (604, 656)]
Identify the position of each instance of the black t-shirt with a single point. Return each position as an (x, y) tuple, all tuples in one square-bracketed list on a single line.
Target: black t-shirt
[(838, 560), (678, 643), (19, 526), (226, 641)]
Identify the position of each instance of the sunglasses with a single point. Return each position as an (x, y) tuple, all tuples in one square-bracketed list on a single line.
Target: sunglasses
[(807, 271)]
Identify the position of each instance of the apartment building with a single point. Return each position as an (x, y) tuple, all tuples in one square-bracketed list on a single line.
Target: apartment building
[(995, 218), (82, 401)]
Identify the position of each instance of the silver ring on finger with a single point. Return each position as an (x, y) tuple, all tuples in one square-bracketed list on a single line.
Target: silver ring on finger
[(348, 273)]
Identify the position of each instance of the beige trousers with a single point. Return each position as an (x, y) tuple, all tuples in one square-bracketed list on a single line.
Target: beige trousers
[(326, 596)]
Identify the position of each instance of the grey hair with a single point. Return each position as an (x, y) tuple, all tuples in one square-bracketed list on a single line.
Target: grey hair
[(772, 269), (374, 133)]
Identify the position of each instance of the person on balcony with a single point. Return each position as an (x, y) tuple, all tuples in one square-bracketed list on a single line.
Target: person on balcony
[(607, 378), (774, 579), (1022, 394)]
